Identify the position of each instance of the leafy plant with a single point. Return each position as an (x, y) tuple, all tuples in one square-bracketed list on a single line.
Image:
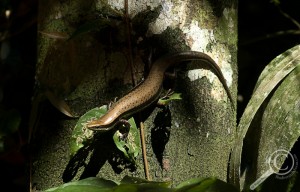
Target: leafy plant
[(129, 144), (131, 184), (273, 112), (269, 127)]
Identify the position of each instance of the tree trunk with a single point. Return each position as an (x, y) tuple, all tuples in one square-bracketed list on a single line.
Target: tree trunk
[(97, 64)]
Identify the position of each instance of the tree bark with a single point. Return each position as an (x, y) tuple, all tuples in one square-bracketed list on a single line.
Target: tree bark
[(92, 68)]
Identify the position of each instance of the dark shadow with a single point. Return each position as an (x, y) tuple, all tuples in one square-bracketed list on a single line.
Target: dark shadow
[(160, 134), (77, 161), (102, 149)]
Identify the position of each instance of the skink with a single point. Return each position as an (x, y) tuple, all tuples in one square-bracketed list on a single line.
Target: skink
[(150, 89)]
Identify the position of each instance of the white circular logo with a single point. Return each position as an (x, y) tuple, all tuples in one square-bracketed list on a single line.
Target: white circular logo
[(278, 157), (274, 161)]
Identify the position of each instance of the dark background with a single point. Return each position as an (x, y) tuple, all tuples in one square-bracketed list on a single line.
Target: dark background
[(257, 20)]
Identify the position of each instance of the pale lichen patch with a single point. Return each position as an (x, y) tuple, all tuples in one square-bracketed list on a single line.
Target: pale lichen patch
[(79, 141), (171, 15), (196, 38), (87, 133), (134, 7), (198, 74)]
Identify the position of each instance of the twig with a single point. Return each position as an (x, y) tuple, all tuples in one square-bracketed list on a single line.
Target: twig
[(289, 17), (143, 142), (128, 30), (278, 33), (144, 152), (272, 35)]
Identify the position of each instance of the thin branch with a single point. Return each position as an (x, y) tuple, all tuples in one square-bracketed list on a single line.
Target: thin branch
[(142, 136), (128, 30), (144, 152), (272, 35), (289, 17)]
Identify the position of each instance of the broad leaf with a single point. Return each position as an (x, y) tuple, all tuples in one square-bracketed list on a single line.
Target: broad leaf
[(274, 132), (166, 100), (272, 75), (130, 145), (132, 184), (81, 133), (92, 184), (205, 185)]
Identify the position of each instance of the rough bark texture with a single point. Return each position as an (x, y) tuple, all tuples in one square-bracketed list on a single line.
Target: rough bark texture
[(191, 138)]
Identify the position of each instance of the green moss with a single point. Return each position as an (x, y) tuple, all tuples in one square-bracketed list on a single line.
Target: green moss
[(226, 30)]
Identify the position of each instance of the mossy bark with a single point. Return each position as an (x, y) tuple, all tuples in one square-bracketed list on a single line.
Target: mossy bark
[(189, 138)]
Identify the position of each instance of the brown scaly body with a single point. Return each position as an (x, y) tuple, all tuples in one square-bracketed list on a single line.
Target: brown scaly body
[(149, 91)]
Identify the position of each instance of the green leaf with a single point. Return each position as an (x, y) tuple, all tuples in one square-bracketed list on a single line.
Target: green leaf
[(134, 145), (130, 184), (133, 184), (81, 133), (120, 144), (272, 75), (92, 184), (136, 180), (130, 145), (143, 187), (277, 125), (138, 184), (205, 185), (166, 100)]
